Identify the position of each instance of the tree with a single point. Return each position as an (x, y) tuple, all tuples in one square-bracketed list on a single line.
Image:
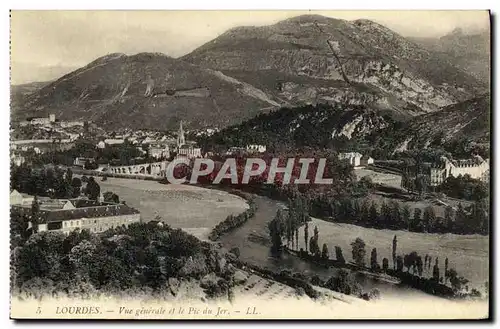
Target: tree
[(460, 219), (422, 184), (306, 235), (429, 219), (111, 197), (35, 214), (456, 281), (313, 246), (90, 165), (324, 252), (448, 218), (385, 264), (435, 271), (358, 251), (76, 185), (373, 217), (396, 216), (276, 230), (420, 266), (69, 175), (338, 255), (365, 212), (394, 250), (446, 270), (417, 220), (406, 216), (93, 190), (478, 218), (399, 264), (297, 236), (373, 260), (411, 262), (385, 215)]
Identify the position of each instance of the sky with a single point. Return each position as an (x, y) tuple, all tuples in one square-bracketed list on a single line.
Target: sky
[(48, 44)]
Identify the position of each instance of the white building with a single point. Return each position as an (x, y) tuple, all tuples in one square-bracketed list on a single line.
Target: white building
[(69, 124), (94, 216), (40, 121), (80, 162), (366, 160), (159, 151), (236, 150), (254, 148), (20, 199), (189, 151), (353, 158), (114, 141), (149, 140), (476, 168), (101, 145)]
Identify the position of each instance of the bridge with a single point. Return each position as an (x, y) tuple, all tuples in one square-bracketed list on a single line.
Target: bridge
[(155, 169)]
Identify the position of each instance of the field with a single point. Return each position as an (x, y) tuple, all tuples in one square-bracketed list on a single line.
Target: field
[(388, 179), (196, 210), (468, 254)]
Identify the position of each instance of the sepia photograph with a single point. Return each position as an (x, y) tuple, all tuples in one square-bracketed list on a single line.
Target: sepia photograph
[(253, 164)]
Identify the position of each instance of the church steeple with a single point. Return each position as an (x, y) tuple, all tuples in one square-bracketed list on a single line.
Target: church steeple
[(180, 136)]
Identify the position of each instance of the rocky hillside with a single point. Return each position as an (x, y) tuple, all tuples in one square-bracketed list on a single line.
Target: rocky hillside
[(320, 126), (464, 123), (310, 59), (147, 90), (469, 51)]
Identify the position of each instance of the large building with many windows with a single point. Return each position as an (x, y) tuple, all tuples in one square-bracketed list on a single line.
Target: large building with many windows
[(476, 168), (68, 215)]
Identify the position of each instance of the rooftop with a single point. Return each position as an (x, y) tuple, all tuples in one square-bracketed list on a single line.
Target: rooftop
[(48, 216)]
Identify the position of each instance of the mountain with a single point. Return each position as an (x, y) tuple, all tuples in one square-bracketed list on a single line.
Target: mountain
[(147, 90), (19, 92), (252, 70), (468, 51), (310, 59)]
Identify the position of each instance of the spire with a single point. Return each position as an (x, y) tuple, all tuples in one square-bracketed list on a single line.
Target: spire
[(180, 136)]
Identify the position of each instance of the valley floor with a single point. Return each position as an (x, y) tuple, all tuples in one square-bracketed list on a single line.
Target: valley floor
[(198, 210), (468, 254)]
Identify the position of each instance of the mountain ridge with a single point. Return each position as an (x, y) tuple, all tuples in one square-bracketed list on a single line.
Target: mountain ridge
[(304, 60), (371, 54)]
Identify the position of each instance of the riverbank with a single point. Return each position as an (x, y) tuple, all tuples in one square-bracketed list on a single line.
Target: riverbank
[(467, 254)]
